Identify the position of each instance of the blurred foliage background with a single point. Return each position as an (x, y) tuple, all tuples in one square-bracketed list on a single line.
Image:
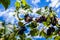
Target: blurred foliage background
[(48, 18)]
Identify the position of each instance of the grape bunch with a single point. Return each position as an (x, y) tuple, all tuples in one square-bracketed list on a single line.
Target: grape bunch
[(41, 19)]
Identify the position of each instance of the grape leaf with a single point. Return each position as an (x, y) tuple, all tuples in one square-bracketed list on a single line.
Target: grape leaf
[(34, 32), (5, 3), (33, 24), (17, 4), (24, 2), (57, 38), (42, 33), (21, 24)]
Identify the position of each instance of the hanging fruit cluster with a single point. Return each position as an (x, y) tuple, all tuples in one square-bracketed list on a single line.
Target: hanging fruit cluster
[(51, 26)]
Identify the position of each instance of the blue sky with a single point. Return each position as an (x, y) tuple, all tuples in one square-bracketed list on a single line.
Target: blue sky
[(38, 3), (55, 4), (33, 3)]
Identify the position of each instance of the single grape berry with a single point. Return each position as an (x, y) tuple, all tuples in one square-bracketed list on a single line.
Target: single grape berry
[(50, 30), (28, 18), (37, 19), (21, 31), (43, 18)]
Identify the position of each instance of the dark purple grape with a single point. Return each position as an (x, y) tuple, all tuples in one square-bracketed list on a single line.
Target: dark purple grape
[(37, 19), (41, 19), (28, 18), (21, 31), (50, 30), (44, 18)]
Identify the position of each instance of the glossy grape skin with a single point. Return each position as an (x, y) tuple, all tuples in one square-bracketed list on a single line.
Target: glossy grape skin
[(28, 18), (41, 19), (37, 19), (44, 18), (50, 30)]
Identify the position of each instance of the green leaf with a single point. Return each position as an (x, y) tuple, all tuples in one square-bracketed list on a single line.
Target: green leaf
[(0, 2), (26, 7), (57, 38), (39, 11), (42, 33), (28, 39), (46, 7), (17, 4), (20, 24), (24, 2), (33, 24), (34, 32), (22, 37), (5, 3), (46, 24)]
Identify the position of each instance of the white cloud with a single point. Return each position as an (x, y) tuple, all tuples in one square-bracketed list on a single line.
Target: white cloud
[(7, 11), (12, 13), (8, 15), (35, 9), (57, 5), (47, 0), (34, 2), (54, 3), (58, 10)]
